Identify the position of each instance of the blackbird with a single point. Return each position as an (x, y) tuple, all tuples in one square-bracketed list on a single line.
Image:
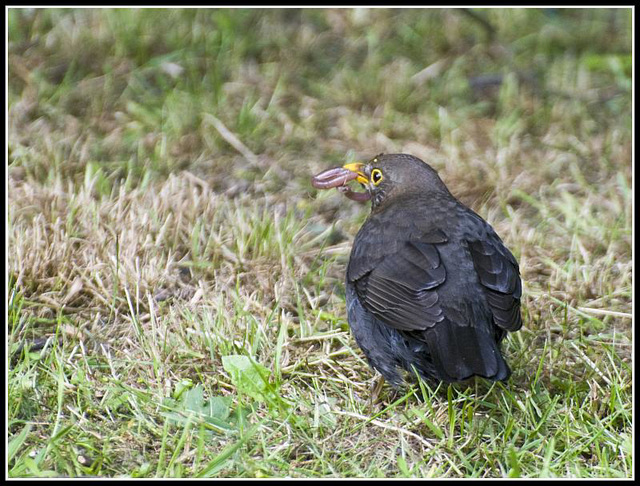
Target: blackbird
[(430, 287)]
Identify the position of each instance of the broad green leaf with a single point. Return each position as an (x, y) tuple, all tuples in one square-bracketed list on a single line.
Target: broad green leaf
[(249, 377), (214, 410)]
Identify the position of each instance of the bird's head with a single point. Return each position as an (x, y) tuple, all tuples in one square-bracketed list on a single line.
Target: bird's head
[(388, 177)]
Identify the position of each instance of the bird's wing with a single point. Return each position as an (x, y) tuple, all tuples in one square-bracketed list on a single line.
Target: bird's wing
[(399, 290), (499, 274)]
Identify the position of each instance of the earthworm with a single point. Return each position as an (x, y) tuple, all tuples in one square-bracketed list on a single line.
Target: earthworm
[(354, 196), (338, 177), (335, 177)]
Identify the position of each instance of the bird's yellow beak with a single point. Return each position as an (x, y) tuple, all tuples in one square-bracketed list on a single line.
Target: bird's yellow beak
[(357, 168)]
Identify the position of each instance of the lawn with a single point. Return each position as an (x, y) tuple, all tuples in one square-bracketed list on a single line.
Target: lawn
[(176, 285)]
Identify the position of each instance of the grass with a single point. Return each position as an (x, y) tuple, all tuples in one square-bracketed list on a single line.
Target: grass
[(175, 284)]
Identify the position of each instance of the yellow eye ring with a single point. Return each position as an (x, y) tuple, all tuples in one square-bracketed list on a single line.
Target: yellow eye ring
[(376, 176)]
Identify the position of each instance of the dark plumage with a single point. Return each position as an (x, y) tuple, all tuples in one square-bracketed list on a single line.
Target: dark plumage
[(429, 284)]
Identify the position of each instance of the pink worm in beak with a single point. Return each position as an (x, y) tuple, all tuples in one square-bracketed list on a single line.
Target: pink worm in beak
[(339, 177)]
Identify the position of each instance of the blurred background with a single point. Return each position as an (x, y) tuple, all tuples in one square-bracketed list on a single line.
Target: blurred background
[(161, 219), (306, 85)]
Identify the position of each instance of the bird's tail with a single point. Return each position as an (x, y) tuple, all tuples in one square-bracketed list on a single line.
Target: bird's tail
[(459, 352)]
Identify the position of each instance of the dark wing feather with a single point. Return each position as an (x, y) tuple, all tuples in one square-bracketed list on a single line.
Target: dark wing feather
[(378, 239), (498, 272), (399, 291)]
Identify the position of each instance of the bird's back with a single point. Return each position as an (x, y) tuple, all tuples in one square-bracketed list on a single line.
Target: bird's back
[(432, 245)]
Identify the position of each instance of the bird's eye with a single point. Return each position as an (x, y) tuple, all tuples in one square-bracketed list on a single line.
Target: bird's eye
[(376, 176)]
